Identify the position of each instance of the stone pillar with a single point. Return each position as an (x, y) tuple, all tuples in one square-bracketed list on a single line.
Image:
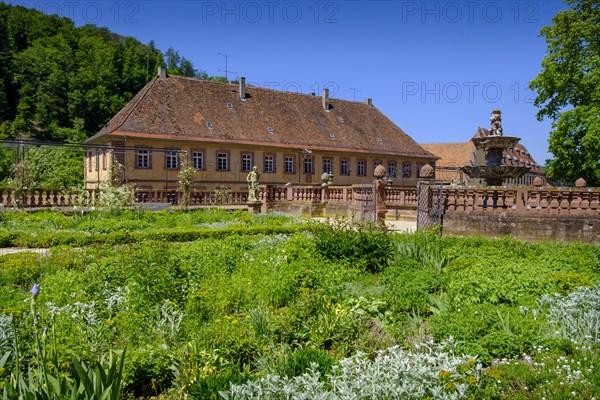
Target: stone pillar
[(380, 208), (324, 194)]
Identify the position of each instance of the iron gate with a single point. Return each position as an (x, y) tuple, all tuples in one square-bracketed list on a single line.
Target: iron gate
[(429, 204)]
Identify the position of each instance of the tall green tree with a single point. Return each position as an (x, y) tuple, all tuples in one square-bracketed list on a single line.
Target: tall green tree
[(54, 167), (568, 92), (63, 83), (178, 65)]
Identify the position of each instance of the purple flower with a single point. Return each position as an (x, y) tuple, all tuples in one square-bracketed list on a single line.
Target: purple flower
[(35, 291), (45, 331)]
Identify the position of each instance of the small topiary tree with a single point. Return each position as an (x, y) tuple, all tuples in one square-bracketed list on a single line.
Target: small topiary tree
[(186, 177)]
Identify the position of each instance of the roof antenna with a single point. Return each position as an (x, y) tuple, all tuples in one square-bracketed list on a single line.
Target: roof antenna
[(354, 93), (225, 70)]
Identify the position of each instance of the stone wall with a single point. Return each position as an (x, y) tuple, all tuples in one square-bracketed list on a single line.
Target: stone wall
[(567, 214), (566, 228)]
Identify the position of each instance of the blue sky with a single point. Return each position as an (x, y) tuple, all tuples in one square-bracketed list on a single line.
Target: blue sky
[(435, 68)]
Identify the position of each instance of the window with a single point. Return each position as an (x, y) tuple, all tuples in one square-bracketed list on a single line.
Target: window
[(171, 160), (407, 169), (308, 165), (89, 160), (344, 167), (327, 165), (142, 158), (222, 161), (420, 166), (361, 168), (198, 159), (269, 165), (392, 169), (246, 162), (289, 164), (97, 161), (376, 163), (104, 160)]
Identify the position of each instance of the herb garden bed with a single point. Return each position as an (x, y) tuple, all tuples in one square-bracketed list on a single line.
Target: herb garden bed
[(215, 305)]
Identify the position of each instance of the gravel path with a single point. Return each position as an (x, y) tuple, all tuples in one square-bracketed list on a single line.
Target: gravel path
[(14, 250)]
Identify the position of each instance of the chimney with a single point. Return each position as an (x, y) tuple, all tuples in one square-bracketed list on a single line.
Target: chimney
[(242, 83), (369, 101), (325, 99), (162, 72)]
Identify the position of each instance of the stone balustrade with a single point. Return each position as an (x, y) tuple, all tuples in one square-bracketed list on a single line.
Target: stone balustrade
[(544, 201), (529, 201), (42, 198)]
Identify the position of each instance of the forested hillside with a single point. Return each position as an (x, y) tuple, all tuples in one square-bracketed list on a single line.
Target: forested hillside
[(62, 83), (59, 82)]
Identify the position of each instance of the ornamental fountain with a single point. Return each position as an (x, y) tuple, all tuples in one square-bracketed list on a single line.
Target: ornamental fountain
[(494, 172)]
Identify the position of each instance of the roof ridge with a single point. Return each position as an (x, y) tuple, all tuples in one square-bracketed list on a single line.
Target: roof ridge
[(147, 89), (440, 143), (250, 86)]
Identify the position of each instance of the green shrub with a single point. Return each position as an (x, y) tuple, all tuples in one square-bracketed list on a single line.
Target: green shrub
[(500, 344), (408, 284), (465, 325), (233, 337), (109, 225), (20, 270), (565, 282), (148, 371), (299, 362), (7, 239), (208, 387), (367, 247)]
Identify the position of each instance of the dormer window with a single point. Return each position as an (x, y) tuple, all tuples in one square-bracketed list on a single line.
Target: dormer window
[(209, 124), (230, 105), (332, 135), (379, 140), (270, 129), (341, 119)]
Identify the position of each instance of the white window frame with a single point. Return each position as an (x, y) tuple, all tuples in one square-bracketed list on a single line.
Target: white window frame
[(327, 165), (392, 169), (142, 158), (198, 159), (269, 163), (344, 167), (361, 168), (406, 169), (308, 165), (289, 165), (246, 162), (223, 161), (172, 159)]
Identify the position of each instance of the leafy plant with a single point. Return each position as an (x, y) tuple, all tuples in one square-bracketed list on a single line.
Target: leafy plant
[(97, 382), (575, 316), (428, 372), (370, 248), (186, 177)]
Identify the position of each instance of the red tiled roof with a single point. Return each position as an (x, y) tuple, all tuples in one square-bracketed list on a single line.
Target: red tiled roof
[(452, 154), (183, 108)]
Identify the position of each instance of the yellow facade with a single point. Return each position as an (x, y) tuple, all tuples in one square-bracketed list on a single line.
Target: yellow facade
[(228, 164)]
